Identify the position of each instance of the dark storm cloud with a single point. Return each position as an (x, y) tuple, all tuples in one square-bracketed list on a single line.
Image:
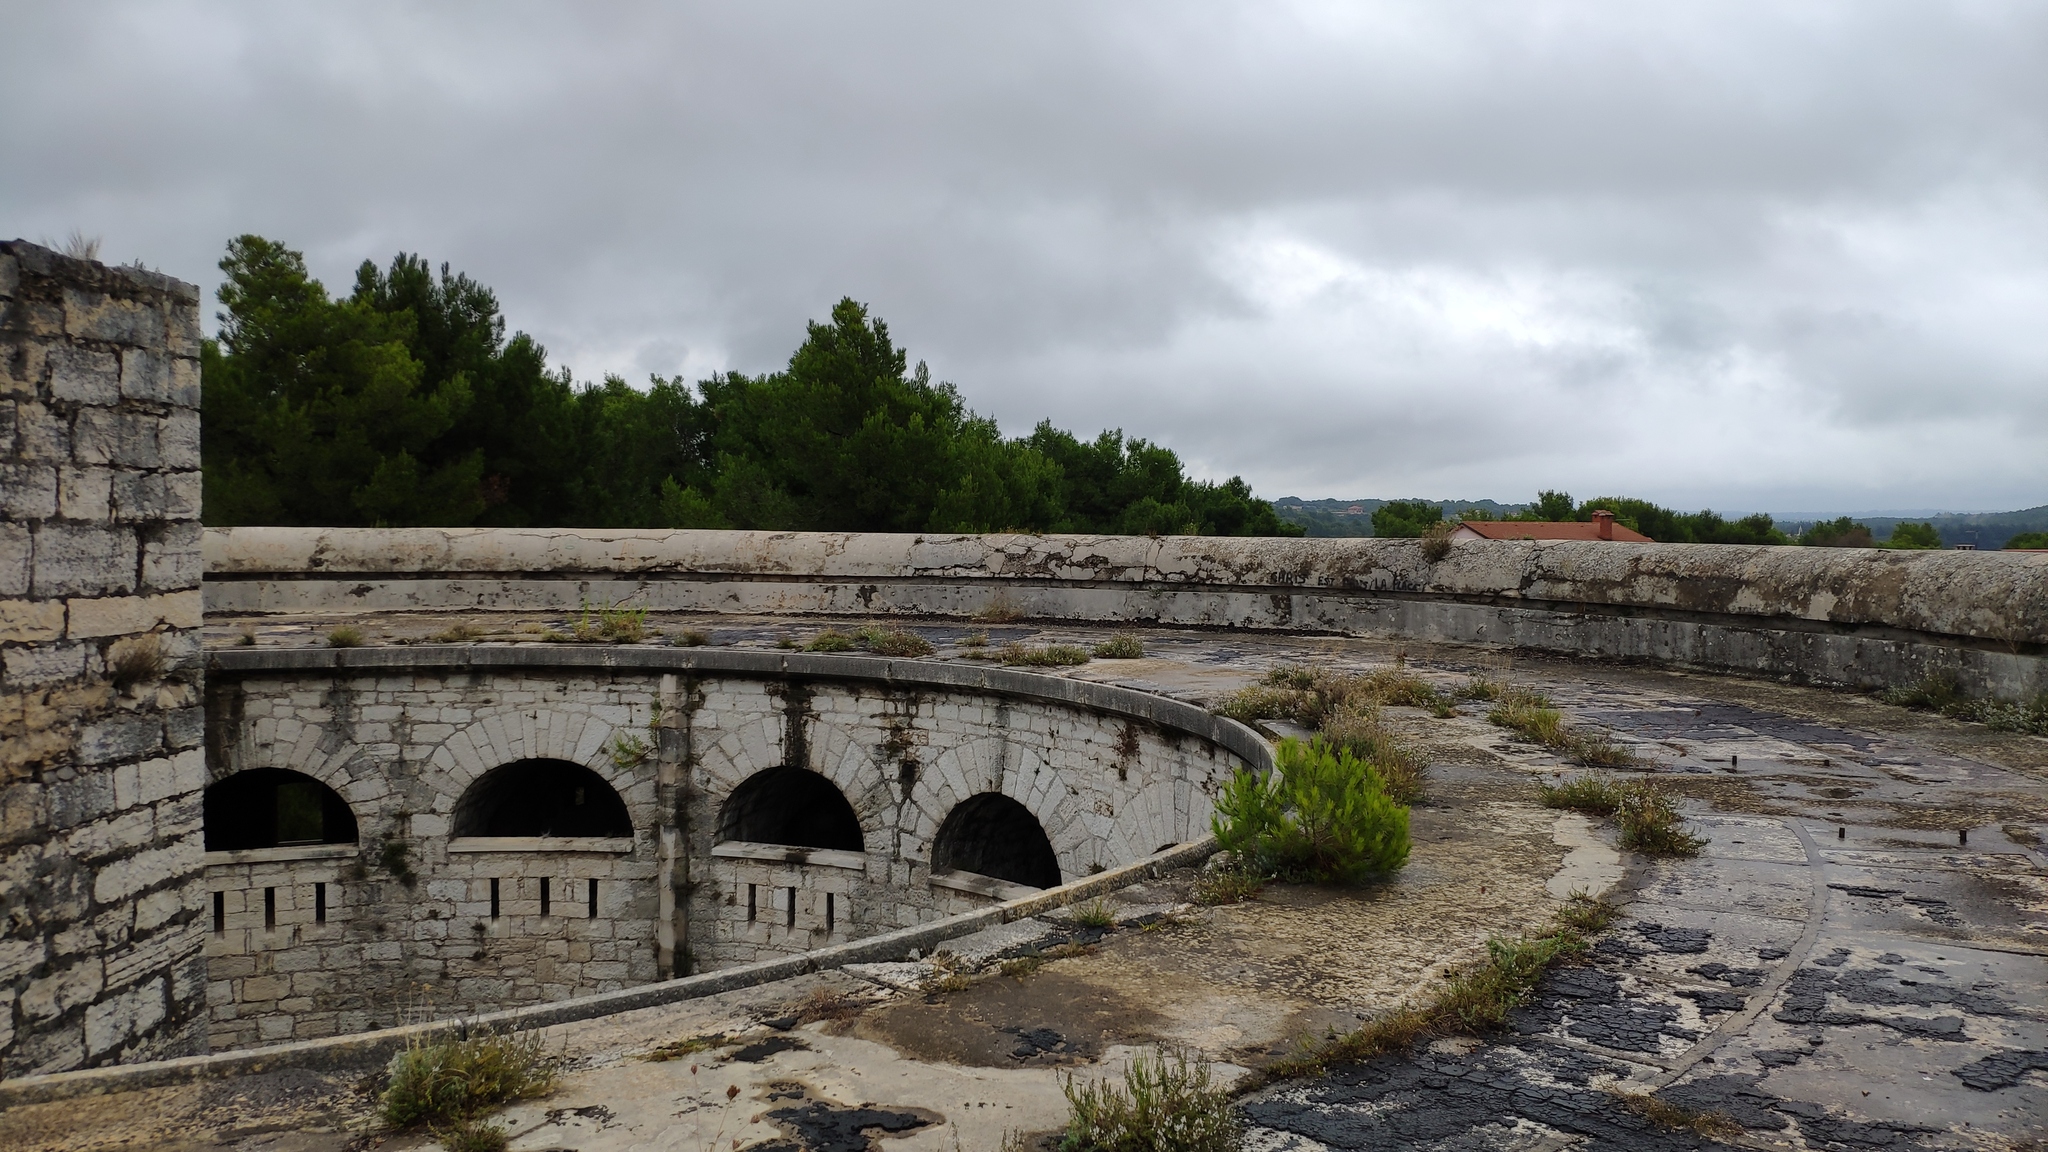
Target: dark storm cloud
[(1780, 256)]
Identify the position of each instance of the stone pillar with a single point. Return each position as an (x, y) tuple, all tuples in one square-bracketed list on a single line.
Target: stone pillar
[(101, 770)]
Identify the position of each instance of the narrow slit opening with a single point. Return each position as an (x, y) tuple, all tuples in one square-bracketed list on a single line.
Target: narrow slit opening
[(319, 903), (792, 908), (545, 896), (220, 913), (494, 898), (270, 908), (593, 899)]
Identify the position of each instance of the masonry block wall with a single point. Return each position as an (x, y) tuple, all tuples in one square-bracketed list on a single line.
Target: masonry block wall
[(418, 916), (100, 709)]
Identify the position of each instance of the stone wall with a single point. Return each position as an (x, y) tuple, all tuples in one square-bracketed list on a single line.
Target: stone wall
[(100, 717), (1841, 616), (410, 928)]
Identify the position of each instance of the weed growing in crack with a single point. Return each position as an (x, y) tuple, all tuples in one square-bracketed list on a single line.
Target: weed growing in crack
[(456, 634), (999, 610), (1531, 716), (1165, 1102), (893, 642), (612, 624), (1942, 692), (135, 661), (1648, 820), (1122, 646), (1230, 885), (346, 636), (1094, 914), (830, 640), (1021, 966), (473, 1136), (1712, 1125), (1050, 656), (456, 1080), (1475, 1000)]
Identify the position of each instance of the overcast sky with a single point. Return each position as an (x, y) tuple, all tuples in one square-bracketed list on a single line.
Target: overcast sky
[(1778, 256)]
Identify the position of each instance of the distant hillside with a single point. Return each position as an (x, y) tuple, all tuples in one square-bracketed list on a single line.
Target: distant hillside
[(1987, 530), (1354, 517)]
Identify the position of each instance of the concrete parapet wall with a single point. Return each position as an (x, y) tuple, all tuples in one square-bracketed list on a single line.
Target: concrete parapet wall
[(1853, 617), (100, 717)]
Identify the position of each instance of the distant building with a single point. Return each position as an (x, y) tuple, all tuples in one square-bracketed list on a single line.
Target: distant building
[(1602, 527)]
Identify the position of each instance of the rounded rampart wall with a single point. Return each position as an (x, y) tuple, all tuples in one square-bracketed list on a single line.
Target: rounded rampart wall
[(421, 914), (1839, 616)]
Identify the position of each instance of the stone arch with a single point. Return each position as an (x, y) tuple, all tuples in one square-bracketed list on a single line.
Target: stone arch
[(793, 806), (273, 808), (541, 797), (577, 735), (992, 835)]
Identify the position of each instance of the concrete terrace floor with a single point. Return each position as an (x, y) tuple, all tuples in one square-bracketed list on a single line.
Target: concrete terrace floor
[(1858, 959)]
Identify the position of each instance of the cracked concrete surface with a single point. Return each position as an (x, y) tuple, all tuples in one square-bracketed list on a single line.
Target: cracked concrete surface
[(1857, 959)]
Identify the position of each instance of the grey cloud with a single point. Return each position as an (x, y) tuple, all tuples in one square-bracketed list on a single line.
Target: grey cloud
[(1754, 255)]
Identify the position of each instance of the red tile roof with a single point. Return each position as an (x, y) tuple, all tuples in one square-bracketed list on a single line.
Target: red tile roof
[(1550, 530)]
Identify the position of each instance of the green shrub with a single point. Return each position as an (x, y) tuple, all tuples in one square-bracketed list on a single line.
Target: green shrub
[(1324, 816), (1166, 1104), (2028, 540), (1480, 998), (346, 636), (1122, 646), (1588, 794), (1050, 656), (1409, 518), (458, 1079)]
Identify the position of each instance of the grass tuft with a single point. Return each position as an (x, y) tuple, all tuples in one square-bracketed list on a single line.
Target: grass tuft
[(1648, 820), (1021, 966), (1941, 692), (1530, 716), (346, 636), (612, 624), (999, 610), (136, 660), (893, 642), (1165, 1103), (1228, 886), (1655, 1109), (456, 634), (473, 1136), (831, 640), (691, 638), (1050, 656), (688, 1046), (456, 1080), (1094, 914), (1122, 646)]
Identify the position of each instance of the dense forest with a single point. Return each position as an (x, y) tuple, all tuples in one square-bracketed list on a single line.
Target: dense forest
[(405, 403)]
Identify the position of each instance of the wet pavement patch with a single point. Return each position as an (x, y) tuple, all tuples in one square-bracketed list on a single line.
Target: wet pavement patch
[(821, 1127), (1033, 1043), (760, 1050)]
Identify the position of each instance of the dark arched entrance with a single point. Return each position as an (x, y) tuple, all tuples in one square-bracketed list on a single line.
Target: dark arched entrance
[(541, 798), (793, 806), (274, 808), (993, 835)]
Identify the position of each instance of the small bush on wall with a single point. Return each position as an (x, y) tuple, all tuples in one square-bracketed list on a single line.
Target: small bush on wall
[(1323, 817)]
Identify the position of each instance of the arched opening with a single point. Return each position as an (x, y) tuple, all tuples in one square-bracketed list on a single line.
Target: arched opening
[(993, 835), (274, 808), (793, 806), (541, 798)]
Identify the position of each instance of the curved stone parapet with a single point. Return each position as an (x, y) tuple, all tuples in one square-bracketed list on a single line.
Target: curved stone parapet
[(1853, 617), (509, 825)]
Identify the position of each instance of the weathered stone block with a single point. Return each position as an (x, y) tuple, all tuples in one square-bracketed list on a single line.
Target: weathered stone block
[(64, 989), (127, 615), (90, 315), (28, 491), (94, 438), (136, 495), (44, 664), (120, 737), (83, 560), (146, 375), (84, 376), (41, 434), (110, 1023), (173, 560), (15, 551), (182, 494), (31, 621), (177, 439), (10, 275), (124, 878), (84, 492)]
